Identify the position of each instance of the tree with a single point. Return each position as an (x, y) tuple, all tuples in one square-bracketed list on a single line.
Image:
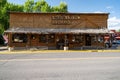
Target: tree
[(118, 30), (5, 12), (61, 8), (2, 4), (41, 6), (37, 7), (4, 19), (28, 6), (45, 7), (55, 9), (1, 29), (16, 8)]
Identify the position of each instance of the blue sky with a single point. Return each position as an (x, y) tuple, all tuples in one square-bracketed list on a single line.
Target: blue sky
[(90, 6)]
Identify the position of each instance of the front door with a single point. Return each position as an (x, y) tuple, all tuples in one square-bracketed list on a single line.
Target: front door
[(34, 40), (61, 41), (88, 40)]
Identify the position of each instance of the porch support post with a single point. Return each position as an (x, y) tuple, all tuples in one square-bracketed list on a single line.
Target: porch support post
[(66, 42), (10, 42), (28, 41)]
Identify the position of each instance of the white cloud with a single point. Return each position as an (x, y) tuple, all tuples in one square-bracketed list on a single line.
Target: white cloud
[(114, 23)]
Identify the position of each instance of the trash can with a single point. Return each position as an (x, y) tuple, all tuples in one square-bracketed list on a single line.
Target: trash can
[(65, 48), (10, 48)]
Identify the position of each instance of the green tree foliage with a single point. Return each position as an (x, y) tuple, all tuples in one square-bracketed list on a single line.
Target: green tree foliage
[(41, 6), (45, 6), (55, 9), (5, 13), (1, 29), (119, 30), (61, 8), (2, 4), (28, 6), (14, 7)]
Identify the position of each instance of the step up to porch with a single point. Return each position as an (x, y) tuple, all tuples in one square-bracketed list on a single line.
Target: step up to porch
[(29, 48), (92, 47)]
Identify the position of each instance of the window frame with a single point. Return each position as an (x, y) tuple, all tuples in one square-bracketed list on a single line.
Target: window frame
[(19, 38)]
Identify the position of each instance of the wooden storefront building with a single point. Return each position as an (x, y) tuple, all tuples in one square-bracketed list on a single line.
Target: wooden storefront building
[(56, 30)]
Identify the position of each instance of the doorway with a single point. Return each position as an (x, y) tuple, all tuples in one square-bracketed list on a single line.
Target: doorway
[(61, 41), (34, 40), (87, 40)]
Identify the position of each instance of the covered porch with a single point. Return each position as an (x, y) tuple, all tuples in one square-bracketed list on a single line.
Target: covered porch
[(56, 38)]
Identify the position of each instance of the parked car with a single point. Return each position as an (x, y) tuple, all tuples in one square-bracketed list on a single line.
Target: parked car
[(2, 41), (116, 42)]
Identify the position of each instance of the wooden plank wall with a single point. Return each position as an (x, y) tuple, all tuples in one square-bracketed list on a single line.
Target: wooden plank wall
[(41, 20)]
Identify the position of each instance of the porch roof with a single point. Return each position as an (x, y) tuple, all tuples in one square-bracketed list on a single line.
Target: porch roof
[(54, 30)]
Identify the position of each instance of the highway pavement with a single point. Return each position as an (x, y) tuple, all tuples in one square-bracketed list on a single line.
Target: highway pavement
[(60, 66)]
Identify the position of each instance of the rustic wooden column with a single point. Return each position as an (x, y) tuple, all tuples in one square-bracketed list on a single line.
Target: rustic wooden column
[(47, 40), (28, 41), (10, 42), (10, 39)]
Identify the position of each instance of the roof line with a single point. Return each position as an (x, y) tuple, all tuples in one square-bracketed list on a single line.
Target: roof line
[(53, 13)]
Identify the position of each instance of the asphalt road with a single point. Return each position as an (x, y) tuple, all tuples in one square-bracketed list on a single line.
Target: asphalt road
[(60, 66)]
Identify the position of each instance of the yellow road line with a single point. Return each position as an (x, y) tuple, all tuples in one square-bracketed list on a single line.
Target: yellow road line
[(54, 51), (60, 59)]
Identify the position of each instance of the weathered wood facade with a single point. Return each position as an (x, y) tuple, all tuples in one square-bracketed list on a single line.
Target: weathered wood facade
[(57, 29)]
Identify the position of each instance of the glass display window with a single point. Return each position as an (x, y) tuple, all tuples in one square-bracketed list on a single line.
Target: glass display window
[(94, 38), (19, 38), (43, 38), (33, 37), (78, 38), (100, 38), (51, 38)]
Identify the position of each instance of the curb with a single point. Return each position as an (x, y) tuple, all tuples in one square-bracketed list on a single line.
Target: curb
[(53, 51)]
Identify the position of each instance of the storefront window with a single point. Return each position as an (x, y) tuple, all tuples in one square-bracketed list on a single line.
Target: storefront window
[(100, 39), (51, 38), (33, 37), (94, 38), (19, 38), (43, 38), (78, 38)]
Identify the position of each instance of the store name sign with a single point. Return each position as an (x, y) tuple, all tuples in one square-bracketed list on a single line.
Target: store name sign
[(63, 19)]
